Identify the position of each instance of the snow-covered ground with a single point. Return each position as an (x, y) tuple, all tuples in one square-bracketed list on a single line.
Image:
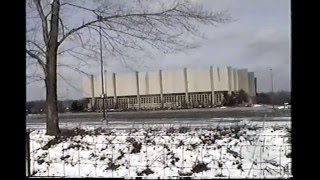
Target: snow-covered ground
[(284, 107), (257, 105), (243, 151)]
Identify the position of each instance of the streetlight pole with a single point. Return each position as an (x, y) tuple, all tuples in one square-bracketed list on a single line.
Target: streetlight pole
[(106, 90), (272, 95), (101, 62)]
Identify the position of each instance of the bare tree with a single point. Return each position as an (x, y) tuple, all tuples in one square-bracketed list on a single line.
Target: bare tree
[(121, 27)]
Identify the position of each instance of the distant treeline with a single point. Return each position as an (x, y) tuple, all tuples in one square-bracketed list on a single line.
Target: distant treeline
[(277, 98), (38, 107)]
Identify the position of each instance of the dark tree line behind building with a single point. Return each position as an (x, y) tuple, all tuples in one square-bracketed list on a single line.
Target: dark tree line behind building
[(241, 97), (277, 98), (235, 98), (38, 107)]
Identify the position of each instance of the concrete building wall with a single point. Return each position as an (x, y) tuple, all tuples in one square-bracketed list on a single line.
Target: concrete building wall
[(109, 82), (154, 82), (173, 81), (199, 80), (149, 83), (243, 80), (86, 87), (143, 85), (97, 86), (126, 84), (220, 77)]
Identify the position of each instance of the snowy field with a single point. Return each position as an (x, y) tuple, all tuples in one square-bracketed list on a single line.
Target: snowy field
[(234, 151)]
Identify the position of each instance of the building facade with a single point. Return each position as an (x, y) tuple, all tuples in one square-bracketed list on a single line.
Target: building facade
[(168, 89)]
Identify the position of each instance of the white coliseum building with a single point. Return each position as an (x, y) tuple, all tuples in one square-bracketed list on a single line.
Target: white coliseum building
[(167, 88)]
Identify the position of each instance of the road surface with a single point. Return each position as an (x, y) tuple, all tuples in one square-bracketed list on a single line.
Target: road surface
[(193, 117)]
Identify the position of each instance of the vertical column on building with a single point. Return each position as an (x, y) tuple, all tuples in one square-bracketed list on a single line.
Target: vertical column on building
[(186, 86), (161, 88), (212, 86), (255, 86), (138, 92), (232, 87), (92, 92), (236, 80), (105, 89), (229, 80), (147, 83), (114, 90)]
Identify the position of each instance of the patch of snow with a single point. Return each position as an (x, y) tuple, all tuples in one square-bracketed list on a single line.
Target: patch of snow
[(257, 105), (235, 152)]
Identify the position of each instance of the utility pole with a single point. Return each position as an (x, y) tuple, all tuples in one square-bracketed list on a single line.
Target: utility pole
[(101, 64), (272, 93), (106, 90), (65, 102)]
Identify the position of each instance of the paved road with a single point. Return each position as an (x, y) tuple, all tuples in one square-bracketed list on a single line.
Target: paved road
[(194, 117), (125, 124), (196, 114)]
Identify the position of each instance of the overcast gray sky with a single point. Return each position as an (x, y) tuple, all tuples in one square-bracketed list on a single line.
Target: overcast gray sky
[(257, 40)]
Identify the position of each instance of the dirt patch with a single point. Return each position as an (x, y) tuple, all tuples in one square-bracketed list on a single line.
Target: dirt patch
[(68, 133), (112, 166), (184, 129), (170, 130), (136, 146), (121, 155), (185, 173), (40, 161), (174, 160), (199, 167), (75, 146), (194, 146), (180, 143), (146, 172), (103, 158), (52, 142), (234, 153), (220, 175), (64, 157)]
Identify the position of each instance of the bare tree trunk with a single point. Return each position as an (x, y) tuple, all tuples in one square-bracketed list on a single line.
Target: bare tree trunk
[(51, 78), (52, 104)]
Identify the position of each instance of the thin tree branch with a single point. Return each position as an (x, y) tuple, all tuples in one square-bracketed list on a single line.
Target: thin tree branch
[(73, 68), (112, 17), (43, 20), (41, 49), (62, 26), (66, 81), (38, 59), (34, 78)]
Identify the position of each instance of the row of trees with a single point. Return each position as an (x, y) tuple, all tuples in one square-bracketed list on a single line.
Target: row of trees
[(235, 98), (39, 107), (276, 98)]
